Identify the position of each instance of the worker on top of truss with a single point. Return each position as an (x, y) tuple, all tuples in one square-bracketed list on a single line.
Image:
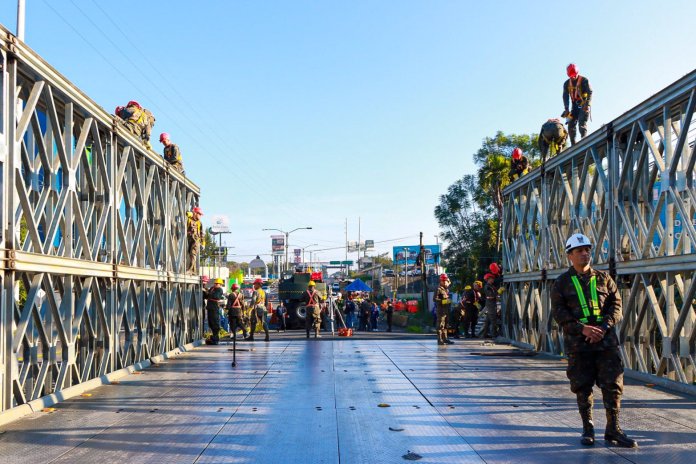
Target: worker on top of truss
[(586, 304), (172, 154), (552, 138), (138, 120), (578, 92), (519, 165)]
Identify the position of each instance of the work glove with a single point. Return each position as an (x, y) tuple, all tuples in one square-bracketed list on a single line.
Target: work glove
[(565, 114), (501, 290)]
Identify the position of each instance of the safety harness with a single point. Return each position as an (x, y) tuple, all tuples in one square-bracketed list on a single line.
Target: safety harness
[(575, 91), (236, 303), (312, 301), (596, 311)]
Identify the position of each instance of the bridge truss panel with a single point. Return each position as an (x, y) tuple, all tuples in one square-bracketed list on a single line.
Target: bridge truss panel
[(93, 239), (629, 187)]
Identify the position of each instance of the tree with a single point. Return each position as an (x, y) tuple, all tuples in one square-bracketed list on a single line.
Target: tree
[(466, 230), (493, 159), (208, 251)]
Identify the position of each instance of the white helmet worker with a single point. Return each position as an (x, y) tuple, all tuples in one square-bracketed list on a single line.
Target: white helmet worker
[(576, 241)]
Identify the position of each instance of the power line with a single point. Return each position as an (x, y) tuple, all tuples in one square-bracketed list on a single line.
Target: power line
[(210, 153)]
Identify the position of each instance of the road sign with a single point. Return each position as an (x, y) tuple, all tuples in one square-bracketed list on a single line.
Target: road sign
[(334, 262), (347, 263)]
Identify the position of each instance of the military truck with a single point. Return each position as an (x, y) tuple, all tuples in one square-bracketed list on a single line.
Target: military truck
[(290, 290)]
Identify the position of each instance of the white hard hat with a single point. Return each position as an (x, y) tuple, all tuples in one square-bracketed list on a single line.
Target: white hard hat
[(577, 240)]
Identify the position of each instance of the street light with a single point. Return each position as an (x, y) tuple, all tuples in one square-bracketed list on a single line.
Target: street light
[(287, 233), (303, 249)]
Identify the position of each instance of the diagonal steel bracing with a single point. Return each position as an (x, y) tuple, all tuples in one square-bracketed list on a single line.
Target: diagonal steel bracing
[(93, 238)]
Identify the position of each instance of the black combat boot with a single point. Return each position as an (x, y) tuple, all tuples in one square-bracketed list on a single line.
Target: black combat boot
[(613, 433), (268, 338), (251, 337), (588, 437)]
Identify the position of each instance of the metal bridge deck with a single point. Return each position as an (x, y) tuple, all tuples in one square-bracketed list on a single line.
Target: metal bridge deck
[(306, 401)]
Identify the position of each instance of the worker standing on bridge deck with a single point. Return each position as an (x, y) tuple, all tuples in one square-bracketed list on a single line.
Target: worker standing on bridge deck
[(552, 138), (576, 91), (490, 293), (194, 237), (235, 308), (442, 309), (172, 154), (590, 340), (258, 310), (312, 301), (519, 164), (471, 302), (215, 297)]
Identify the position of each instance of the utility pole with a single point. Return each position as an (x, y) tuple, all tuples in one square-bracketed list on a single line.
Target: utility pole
[(21, 10), (424, 279)]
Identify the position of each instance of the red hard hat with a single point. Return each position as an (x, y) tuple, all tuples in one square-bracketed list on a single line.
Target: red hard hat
[(205, 278), (164, 136), (134, 103), (258, 281), (198, 210), (235, 286), (495, 269), (572, 70), (443, 277), (517, 153), (488, 276)]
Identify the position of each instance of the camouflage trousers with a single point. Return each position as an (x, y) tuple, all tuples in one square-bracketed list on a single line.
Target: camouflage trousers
[(193, 247), (313, 318), (579, 117), (442, 317), (602, 368)]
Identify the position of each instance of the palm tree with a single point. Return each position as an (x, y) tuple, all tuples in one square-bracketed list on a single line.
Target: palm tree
[(493, 178)]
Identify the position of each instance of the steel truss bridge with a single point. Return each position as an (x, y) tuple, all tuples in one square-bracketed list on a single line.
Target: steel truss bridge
[(629, 187), (93, 242)]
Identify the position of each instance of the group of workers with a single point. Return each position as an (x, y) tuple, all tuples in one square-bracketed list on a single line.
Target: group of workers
[(240, 314), (367, 310), (139, 121), (577, 101), (475, 296)]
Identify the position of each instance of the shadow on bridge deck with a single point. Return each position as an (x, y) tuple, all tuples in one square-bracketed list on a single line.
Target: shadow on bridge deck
[(294, 401)]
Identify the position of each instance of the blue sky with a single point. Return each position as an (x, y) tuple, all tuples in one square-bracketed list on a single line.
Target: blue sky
[(304, 113)]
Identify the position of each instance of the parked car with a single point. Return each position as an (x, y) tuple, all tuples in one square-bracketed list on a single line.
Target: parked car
[(388, 273)]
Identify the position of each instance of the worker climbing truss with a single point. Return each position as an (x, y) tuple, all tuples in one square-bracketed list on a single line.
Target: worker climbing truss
[(93, 239), (629, 187)]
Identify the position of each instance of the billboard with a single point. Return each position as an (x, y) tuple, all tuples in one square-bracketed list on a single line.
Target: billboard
[(408, 254), (221, 224), (278, 244), (297, 251)]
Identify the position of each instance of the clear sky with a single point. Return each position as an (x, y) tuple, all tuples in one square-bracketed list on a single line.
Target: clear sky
[(306, 112)]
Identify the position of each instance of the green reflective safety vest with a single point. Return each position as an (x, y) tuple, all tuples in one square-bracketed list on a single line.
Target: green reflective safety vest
[(596, 311)]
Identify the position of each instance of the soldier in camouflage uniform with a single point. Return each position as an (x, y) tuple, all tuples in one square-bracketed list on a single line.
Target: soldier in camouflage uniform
[(490, 294), (442, 310), (471, 303), (586, 304), (578, 93), (172, 154), (312, 301), (235, 310), (259, 310), (194, 238)]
